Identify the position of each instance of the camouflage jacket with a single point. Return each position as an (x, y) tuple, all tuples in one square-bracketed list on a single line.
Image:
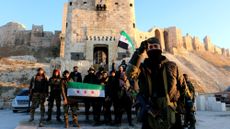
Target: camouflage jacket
[(176, 85), (64, 86)]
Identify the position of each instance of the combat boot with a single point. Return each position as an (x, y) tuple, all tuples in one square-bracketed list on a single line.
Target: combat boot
[(41, 124), (42, 117), (66, 123), (31, 117), (49, 118), (59, 119), (49, 115), (75, 121)]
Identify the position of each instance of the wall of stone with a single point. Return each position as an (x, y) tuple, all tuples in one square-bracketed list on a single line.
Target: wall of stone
[(197, 44), (63, 31), (175, 39), (8, 31), (223, 50), (157, 32), (14, 34), (141, 36), (187, 42), (217, 50), (208, 44), (227, 52), (86, 26), (99, 22), (22, 38)]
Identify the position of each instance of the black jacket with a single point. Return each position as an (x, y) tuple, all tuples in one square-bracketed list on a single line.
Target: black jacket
[(39, 84), (76, 76)]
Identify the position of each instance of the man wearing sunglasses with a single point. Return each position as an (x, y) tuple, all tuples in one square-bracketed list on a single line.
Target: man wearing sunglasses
[(162, 88)]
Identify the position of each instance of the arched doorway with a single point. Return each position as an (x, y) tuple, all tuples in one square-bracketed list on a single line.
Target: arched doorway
[(157, 34), (166, 39), (100, 56)]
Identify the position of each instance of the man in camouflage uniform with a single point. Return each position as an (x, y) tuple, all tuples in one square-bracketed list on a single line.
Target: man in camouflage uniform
[(38, 93), (68, 101), (54, 94), (161, 85), (190, 119)]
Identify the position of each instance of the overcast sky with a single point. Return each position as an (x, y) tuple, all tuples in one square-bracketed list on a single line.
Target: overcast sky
[(196, 17)]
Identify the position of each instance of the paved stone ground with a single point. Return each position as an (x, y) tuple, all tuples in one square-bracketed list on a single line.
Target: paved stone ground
[(84, 125), (53, 124), (10, 120)]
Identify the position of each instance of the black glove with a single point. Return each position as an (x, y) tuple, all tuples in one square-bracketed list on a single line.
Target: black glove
[(143, 46)]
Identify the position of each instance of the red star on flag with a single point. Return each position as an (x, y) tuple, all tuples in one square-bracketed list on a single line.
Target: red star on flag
[(92, 92)]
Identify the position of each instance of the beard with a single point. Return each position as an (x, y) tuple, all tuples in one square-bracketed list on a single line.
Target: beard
[(155, 55)]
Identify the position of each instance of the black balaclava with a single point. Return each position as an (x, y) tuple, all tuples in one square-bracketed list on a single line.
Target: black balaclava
[(154, 54)]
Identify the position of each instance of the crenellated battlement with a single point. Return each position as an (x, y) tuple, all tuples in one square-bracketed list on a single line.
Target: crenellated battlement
[(91, 29), (171, 38)]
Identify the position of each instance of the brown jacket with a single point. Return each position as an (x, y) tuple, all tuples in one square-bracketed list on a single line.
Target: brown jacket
[(176, 85)]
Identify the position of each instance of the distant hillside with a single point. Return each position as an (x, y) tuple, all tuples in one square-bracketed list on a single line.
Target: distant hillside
[(209, 72)]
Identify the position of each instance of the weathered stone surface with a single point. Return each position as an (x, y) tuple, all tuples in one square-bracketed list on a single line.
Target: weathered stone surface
[(198, 45), (36, 42), (188, 42), (15, 34)]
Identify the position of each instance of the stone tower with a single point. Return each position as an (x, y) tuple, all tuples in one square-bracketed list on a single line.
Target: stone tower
[(91, 29), (208, 44)]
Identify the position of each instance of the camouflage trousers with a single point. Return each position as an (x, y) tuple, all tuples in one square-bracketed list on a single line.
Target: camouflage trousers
[(38, 99), (74, 113), (58, 106)]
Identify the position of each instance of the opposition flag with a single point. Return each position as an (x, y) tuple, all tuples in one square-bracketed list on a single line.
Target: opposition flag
[(85, 89), (125, 41)]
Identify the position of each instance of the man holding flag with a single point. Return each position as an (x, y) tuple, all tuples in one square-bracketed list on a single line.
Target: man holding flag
[(91, 78), (68, 101)]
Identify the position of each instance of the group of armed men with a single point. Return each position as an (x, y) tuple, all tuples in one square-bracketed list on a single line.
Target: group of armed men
[(162, 96)]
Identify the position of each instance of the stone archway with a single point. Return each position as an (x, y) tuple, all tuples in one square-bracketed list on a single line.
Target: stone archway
[(100, 56), (158, 34), (166, 39)]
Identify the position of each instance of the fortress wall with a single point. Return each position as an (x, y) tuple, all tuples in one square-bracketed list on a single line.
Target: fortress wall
[(197, 45), (187, 43), (217, 50), (208, 44)]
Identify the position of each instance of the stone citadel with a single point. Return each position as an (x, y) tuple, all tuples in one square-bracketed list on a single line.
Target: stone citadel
[(15, 34), (90, 34), (90, 31), (15, 40)]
